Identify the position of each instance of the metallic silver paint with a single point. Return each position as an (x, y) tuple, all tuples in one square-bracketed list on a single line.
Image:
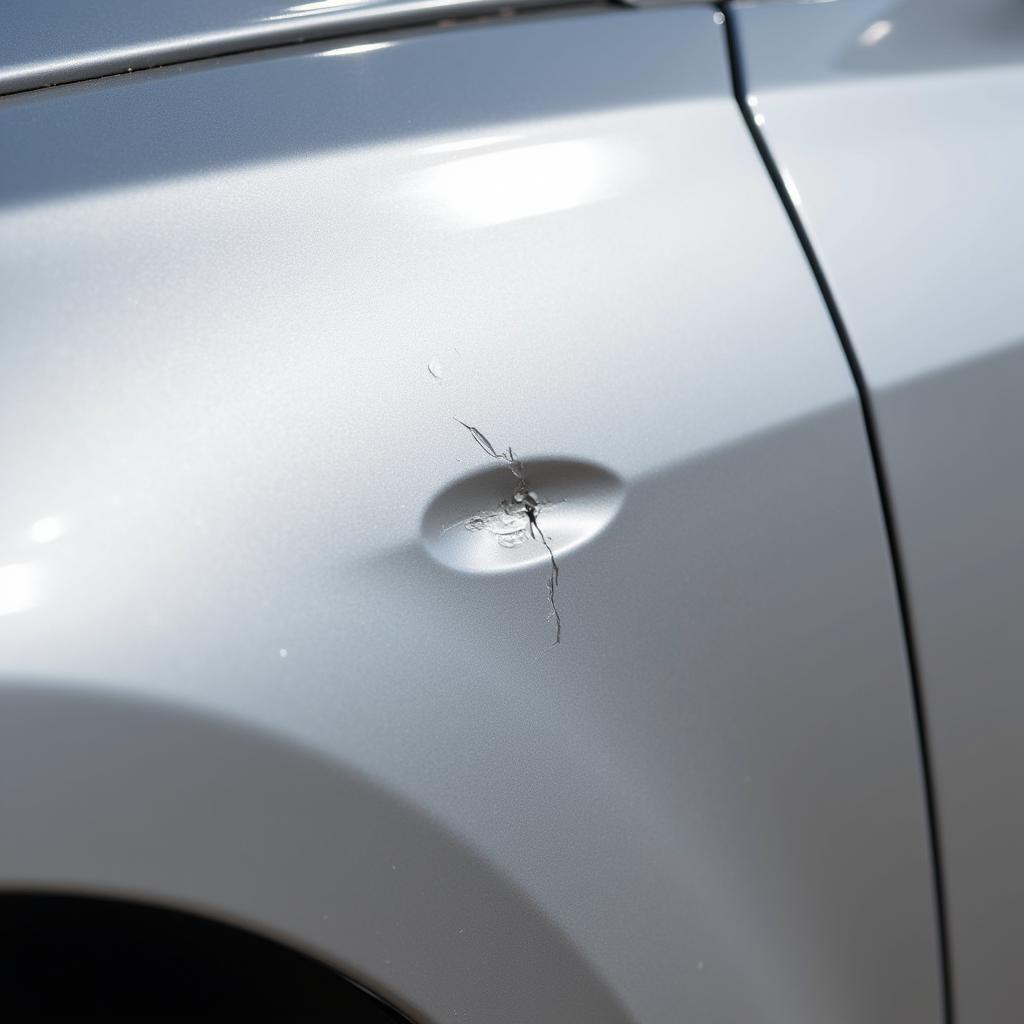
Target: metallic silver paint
[(50, 42), (906, 169), (235, 679)]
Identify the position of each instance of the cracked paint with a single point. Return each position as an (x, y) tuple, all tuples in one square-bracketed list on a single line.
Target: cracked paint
[(516, 518)]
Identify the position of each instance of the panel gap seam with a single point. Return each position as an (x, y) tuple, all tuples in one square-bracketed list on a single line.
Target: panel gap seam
[(884, 494)]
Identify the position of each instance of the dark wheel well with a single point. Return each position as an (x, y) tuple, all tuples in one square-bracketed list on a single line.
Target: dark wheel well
[(75, 955)]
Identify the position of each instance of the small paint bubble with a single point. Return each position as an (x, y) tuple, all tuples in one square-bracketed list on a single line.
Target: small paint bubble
[(436, 370)]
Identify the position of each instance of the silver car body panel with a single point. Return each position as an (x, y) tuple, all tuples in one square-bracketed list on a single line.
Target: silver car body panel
[(244, 302), (50, 42), (898, 130)]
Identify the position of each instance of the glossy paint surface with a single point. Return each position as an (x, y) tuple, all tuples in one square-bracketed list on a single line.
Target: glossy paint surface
[(906, 172), (50, 42), (239, 328), (856, 40)]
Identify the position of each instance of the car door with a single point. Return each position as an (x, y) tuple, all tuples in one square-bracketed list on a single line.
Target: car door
[(897, 127), (453, 409)]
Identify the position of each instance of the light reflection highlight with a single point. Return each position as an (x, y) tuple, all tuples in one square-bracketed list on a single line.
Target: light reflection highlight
[(345, 51), (461, 145), (318, 7), (874, 33), (20, 588), (791, 189), (525, 181), (47, 530)]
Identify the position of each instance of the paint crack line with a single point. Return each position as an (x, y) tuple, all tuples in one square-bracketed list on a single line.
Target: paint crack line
[(515, 517)]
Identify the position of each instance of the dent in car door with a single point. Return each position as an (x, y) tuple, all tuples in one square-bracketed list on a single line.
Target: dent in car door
[(248, 303)]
